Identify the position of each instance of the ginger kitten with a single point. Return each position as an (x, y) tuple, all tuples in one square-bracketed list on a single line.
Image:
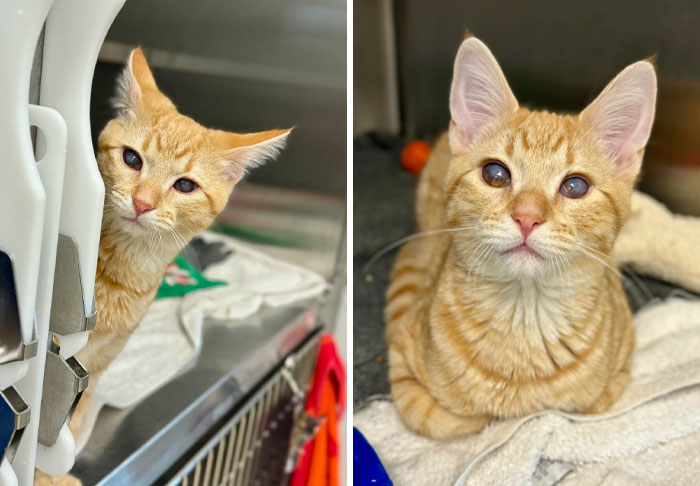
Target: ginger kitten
[(518, 308), (166, 179)]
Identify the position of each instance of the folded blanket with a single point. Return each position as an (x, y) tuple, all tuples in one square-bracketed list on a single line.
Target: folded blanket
[(660, 405), (170, 335), (636, 442)]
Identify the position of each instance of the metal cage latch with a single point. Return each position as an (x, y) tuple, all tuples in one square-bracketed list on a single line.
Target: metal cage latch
[(12, 346), (14, 417), (64, 383), (68, 313)]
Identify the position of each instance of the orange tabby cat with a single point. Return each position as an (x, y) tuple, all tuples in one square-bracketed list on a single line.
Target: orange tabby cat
[(517, 308), (166, 178)]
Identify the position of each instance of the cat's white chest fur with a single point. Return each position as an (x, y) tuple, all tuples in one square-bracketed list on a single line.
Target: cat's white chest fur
[(535, 309), (539, 308)]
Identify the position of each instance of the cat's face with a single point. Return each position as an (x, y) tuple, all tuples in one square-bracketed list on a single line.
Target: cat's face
[(537, 191), (164, 174)]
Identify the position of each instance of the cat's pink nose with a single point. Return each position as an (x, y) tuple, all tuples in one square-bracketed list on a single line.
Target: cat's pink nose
[(141, 206), (527, 222)]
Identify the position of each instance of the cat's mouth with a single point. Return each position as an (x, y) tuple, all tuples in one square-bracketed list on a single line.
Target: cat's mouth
[(134, 221), (133, 225), (524, 250)]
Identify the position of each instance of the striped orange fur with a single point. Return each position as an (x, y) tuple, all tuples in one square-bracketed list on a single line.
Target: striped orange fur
[(133, 256), (480, 328), (134, 250)]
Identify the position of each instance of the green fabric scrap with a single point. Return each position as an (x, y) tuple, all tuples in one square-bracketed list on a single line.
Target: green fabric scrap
[(181, 278)]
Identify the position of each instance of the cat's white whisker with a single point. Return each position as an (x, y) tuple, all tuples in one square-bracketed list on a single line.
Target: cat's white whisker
[(183, 241), (391, 246), (627, 281), (630, 280), (480, 260), (591, 255), (480, 248)]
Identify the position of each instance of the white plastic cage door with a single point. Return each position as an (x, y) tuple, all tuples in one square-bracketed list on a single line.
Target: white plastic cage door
[(57, 198), (51, 144), (75, 30), (22, 205)]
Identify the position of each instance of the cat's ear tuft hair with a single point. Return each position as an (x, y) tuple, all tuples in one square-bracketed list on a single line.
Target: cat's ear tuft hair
[(622, 115), (245, 151), (479, 96), (134, 81)]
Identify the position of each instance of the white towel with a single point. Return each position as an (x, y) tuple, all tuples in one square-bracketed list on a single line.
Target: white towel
[(633, 443), (170, 335)]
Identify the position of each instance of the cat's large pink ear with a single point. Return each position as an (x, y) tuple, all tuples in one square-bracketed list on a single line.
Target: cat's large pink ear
[(245, 151), (622, 115), (479, 96), (135, 84)]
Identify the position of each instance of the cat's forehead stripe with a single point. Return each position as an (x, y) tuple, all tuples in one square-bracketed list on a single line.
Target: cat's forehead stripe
[(184, 150), (569, 155), (190, 164), (510, 144), (558, 143), (525, 139), (532, 139), (147, 141)]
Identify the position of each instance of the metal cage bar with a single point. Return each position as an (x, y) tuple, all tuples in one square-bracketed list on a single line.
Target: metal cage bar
[(251, 448)]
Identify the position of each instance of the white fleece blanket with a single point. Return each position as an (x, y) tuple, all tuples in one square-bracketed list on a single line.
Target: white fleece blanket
[(170, 336), (648, 437)]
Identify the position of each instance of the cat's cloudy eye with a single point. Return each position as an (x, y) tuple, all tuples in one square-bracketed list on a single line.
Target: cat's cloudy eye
[(184, 185), (574, 187), (132, 159), (496, 174)]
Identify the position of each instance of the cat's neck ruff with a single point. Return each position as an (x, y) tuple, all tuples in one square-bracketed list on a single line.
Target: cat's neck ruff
[(542, 306), (143, 257), (532, 305)]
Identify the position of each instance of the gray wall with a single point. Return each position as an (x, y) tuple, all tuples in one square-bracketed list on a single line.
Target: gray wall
[(375, 96), (557, 54), (246, 65)]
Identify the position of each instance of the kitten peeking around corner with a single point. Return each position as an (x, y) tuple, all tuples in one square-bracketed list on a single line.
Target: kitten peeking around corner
[(517, 306), (166, 178)]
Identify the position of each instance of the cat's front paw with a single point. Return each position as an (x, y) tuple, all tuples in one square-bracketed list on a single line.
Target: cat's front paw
[(68, 480), (43, 479)]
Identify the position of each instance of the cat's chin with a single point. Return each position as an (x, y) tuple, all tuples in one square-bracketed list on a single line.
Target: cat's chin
[(134, 227), (525, 263)]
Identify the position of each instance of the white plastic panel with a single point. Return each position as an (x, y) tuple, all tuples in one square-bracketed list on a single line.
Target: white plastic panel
[(7, 475), (51, 142), (75, 30), (59, 458), (12, 372), (22, 199)]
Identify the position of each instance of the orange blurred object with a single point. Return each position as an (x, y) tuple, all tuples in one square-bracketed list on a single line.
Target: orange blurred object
[(415, 155), (319, 465)]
